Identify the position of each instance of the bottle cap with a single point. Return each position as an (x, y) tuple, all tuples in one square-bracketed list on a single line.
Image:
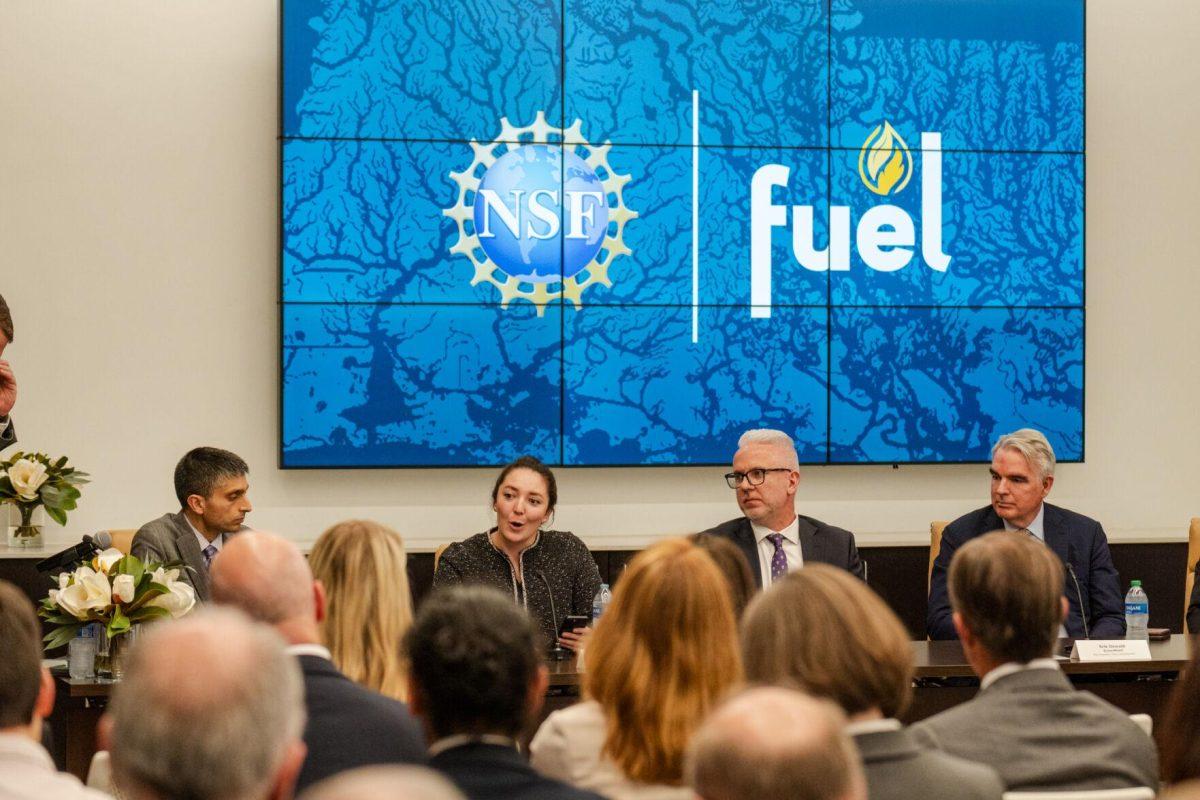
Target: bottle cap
[(1134, 583)]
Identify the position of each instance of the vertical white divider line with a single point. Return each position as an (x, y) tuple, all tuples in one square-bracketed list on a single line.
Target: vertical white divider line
[(695, 216)]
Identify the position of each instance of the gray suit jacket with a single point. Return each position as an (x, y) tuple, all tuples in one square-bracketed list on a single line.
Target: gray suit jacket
[(170, 538), (899, 768), (1039, 732)]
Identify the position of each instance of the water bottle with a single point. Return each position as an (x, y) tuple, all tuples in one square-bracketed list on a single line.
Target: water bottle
[(600, 602), (1137, 612)]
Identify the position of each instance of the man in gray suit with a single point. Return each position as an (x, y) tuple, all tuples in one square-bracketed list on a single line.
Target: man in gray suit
[(1028, 722), (212, 489), (8, 381)]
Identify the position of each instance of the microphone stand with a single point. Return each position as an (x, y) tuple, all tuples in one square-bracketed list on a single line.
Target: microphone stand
[(557, 652)]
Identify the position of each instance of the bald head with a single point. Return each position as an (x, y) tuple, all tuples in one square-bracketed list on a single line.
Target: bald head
[(192, 690), (267, 577), (772, 744), (385, 783)]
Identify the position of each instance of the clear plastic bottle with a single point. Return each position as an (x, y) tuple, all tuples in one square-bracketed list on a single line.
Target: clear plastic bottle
[(600, 603), (1137, 612)]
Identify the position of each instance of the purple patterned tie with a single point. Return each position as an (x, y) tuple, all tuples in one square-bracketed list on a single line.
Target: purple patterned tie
[(209, 554), (779, 562)]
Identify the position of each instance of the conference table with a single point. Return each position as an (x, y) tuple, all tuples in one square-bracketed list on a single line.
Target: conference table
[(943, 679)]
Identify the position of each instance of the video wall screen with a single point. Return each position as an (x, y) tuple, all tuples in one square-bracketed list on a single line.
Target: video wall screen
[(605, 232)]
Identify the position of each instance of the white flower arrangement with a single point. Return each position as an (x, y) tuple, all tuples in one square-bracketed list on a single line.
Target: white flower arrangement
[(117, 591)]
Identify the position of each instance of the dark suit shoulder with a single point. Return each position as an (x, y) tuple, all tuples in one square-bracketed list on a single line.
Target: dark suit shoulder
[(825, 529), (1072, 520), (730, 529)]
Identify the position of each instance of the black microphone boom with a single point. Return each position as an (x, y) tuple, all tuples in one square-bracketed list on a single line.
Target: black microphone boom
[(73, 555), (1079, 595)]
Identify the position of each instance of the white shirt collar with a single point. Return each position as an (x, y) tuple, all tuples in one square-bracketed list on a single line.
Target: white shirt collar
[(20, 746), (872, 726), (791, 533), (1037, 527), (1012, 668), (458, 740), (320, 651), (203, 540)]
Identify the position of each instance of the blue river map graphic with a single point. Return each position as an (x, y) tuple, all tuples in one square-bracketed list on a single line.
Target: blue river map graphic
[(407, 264)]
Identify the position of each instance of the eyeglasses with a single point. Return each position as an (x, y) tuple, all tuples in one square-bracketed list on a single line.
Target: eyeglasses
[(754, 477)]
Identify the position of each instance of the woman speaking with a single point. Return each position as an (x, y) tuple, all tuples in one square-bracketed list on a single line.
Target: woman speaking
[(550, 573)]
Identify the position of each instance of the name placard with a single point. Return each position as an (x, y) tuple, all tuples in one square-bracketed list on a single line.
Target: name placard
[(1111, 650)]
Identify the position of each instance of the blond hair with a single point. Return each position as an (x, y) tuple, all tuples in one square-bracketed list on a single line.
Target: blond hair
[(823, 630), (661, 657), (363, 567)]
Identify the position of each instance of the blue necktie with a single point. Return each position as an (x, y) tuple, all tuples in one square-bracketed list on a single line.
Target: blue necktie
[(779, 563), (209, 554)]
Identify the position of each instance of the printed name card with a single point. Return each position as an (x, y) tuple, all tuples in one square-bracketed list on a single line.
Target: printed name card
[(1111, 650)]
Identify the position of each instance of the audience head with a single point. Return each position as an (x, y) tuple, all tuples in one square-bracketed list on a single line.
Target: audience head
[(733, 565), (211, 484), (364, 570), (474, 664), (767, 494), (775, 744), (26, 689), (6, 325), (664, 653), (824, 631), (523, 497), (266, 577), (211, 708), (1022, 474), (1006, 592), (1179, 735), (385, 783)]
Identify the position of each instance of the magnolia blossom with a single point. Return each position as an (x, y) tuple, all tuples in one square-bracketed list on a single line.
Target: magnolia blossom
[(27, 477), (123, 588), (178, 600), (90, 591), (164, 576), (106, 558)]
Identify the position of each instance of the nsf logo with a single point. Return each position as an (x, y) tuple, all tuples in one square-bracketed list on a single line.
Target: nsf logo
[(540, 221)]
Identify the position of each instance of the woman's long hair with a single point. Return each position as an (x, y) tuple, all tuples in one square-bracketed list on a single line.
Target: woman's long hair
[(369, 608), (1179, 735), (664, 653)]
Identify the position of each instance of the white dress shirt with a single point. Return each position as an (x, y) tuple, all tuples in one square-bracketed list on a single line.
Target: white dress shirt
[(766, 549), (1037, 527), (203, 540), (1012, 668), (27, 773)]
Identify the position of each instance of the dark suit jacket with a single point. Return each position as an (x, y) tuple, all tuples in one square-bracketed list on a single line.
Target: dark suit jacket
[(1193, 610), (170, 538), (8, 434), (1076, 539), (1040, 733), (494, 772), (819, 543), (351, 726), (899, 768)]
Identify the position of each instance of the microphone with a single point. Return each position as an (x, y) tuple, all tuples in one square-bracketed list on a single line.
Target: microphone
[(557, 652), (1079, 595), (72, 555)]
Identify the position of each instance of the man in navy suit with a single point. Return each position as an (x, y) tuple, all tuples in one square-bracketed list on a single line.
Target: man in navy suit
[(772, 536), (1022, 474)]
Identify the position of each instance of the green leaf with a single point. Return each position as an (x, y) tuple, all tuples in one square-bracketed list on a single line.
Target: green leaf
[(149, 612), (119, 623), (62, 462), (57, 515), (131, 565), (60, 636)]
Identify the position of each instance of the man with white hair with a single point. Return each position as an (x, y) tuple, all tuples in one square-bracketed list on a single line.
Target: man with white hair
[(349, 726), (211, 708), (773, 537), (775, 744), (1022, 473)]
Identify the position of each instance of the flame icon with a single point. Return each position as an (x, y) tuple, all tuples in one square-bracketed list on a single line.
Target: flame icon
[(884, 162)]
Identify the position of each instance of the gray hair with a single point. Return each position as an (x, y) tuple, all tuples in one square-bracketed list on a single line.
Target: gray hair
[(1033, 445), (775, 438), (385, 783), (209, 707), (775, 744)]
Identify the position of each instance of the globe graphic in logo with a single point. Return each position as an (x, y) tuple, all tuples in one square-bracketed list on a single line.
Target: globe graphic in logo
[(560, 222)]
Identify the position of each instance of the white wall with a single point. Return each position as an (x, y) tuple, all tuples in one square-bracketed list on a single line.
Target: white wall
[(138, 215)]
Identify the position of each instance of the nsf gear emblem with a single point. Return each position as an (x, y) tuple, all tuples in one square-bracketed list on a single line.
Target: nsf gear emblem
[(545, 218), (884, 162)]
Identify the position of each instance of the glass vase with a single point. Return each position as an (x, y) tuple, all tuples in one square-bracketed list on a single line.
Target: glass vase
[(110, 655), (25, 523)]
